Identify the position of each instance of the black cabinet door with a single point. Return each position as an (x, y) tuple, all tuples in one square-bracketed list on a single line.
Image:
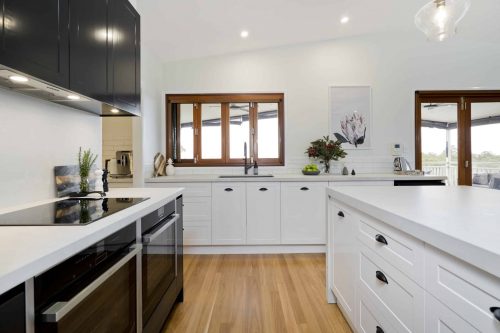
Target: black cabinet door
[(12, 311), (89, 37), (124, 65), (34, 38)]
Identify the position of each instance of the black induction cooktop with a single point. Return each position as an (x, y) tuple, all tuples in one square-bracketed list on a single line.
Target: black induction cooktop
[(68, 212)]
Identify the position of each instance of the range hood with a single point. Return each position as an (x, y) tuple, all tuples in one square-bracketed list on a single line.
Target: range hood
[(34, 87)]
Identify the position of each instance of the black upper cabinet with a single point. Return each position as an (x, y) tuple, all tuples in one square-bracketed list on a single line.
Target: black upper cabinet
[(88, 34), (124, 65), (34, 38)]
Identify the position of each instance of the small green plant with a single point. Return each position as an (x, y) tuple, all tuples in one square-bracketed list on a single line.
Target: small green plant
[(85, 161)]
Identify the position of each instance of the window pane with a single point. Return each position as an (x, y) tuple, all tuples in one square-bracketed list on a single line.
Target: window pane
[(268, 130), (186, 134), (239, 129), (211, 131)]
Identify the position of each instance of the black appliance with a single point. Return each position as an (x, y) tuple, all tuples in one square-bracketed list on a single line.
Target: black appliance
[(12, 311), (162, 264), (68, 212), (426, 182), (93, 291)]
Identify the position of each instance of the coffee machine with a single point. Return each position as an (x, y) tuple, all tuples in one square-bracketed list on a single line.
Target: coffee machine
[(124, 164), (401, 164)]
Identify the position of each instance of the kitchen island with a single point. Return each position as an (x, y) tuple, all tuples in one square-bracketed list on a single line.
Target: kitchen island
[(416, 259)]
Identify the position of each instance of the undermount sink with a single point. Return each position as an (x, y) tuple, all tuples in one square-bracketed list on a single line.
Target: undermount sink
[(246, 176)]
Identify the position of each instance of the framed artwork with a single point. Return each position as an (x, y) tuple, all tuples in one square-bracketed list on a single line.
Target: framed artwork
[(350, 116)]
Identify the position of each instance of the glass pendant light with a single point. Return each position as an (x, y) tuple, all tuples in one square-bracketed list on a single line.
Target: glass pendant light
[(439, 18)]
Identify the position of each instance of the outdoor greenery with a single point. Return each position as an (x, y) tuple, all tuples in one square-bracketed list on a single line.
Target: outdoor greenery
[(484, 159)]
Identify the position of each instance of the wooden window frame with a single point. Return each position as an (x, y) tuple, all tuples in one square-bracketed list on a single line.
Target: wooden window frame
[(224, 99), (464, 100)]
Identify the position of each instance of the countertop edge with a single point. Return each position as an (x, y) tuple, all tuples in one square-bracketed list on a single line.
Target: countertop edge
[(460, 249)]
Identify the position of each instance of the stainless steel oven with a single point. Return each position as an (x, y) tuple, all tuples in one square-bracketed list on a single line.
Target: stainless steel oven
[(93, 291), (160, 264)]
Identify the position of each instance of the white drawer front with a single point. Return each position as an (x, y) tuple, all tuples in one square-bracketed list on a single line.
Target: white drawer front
[(401, 250), (197, 208), (190, 189), (370, 320), (440, 319), (467, 290), (401, 298), (197, 233)]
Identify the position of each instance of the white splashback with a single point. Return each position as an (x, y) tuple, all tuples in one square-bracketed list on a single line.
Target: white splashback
[(35, 136)]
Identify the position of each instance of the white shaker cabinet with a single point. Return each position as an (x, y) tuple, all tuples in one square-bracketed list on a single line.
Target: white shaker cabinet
[(228, 214), (263, 213), (303, 213)]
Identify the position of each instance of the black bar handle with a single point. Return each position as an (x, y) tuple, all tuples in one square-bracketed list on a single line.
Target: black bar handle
[(381, 277), (381, 239), (304, 188), (228, 189), (379, 330), (496, 312), (263, 189), (341, 213)]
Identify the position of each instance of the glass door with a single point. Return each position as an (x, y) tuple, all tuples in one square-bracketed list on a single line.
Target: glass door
[(485, 144)]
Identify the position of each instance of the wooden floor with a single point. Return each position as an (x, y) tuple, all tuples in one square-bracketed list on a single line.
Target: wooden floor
[(255, 293)]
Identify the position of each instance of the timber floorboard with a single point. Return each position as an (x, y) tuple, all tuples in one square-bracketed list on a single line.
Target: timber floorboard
[(255, 293)]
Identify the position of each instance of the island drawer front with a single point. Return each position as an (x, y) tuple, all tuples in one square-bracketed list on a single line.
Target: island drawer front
[(370, 318), (190, 189), (401, 299), (197, 233), (468, 291), (440, 319), (397, 248), (197, 209)]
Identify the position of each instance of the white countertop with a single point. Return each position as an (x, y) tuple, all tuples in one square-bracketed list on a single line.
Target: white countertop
[(26, 251), (463, 221), (288, 177)]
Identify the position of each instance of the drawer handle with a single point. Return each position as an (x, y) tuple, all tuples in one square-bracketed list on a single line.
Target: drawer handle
[(228, 189), (341, 213), (381, 277), (379, 330), (304, 188), (496, 312), (381, 239), (263, 189)]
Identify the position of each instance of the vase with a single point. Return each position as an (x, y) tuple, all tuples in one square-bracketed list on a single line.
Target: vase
[(84, 184), (327, 166)]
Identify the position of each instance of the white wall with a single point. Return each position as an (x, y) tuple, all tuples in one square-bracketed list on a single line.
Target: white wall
[(394, 64), (35, 136)]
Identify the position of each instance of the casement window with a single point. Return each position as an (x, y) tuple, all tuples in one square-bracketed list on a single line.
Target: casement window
[(213, 129)]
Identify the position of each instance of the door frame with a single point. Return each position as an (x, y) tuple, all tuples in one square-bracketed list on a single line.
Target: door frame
[(464, 100)]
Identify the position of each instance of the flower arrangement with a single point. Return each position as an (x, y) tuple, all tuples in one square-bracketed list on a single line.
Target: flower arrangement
[(325, 150), (353, 129), (85, 161)]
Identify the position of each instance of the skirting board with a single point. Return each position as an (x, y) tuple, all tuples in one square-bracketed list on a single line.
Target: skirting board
[(256, 249)]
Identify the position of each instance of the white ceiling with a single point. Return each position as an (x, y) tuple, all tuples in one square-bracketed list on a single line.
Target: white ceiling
[(447, 113), (180, 29)]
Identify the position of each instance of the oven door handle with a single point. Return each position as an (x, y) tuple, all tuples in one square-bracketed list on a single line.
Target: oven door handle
[(59, 310), (148, 238)]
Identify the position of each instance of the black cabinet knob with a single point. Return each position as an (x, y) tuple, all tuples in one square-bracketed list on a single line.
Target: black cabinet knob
[(341, 214), (381, 239), (228, 189), (496, 312), (263, 189), (381, 277), (304, 188), (379, 330)]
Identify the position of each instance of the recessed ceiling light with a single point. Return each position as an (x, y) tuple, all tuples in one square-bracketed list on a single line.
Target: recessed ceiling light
[(115, 110), (244, 34), (18, 78), (73, 97), (344, 19)]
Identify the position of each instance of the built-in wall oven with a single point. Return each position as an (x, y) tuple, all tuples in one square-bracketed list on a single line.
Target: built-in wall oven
[(93, 291), (161, 264)]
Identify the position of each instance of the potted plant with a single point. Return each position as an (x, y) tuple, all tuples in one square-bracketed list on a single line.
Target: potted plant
[(85, 161), (325, 150)]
